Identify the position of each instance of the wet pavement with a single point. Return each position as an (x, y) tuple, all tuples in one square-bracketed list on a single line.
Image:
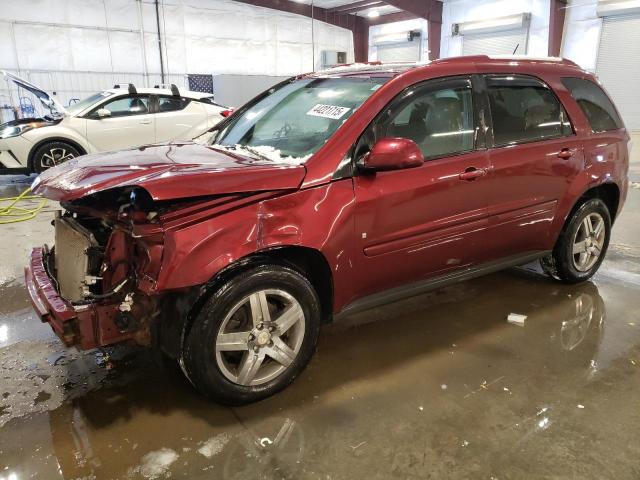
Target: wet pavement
[(438, 386)]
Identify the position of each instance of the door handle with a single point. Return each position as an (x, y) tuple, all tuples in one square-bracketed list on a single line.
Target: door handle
[(565, 154), (472, 173), (145, 122)]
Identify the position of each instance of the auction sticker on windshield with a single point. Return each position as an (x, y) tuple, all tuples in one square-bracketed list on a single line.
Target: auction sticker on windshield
[(328, 111)]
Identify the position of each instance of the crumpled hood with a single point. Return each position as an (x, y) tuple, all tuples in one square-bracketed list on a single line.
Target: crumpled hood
[(171, 171)]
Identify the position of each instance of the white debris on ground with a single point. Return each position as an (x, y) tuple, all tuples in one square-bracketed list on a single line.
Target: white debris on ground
[(156, 464), (443, 386), (516, 319), (214, 445)]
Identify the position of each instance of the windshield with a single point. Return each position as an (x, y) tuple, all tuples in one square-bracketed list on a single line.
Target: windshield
[(76, 108), (295, 120)]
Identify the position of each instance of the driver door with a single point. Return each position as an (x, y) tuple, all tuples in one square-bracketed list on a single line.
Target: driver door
[(130, 124), (415, 223)]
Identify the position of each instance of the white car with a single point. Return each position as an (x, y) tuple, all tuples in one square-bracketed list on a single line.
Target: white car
[(121, 117)]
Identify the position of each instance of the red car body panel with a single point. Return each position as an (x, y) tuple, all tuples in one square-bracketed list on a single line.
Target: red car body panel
[(375, 232)]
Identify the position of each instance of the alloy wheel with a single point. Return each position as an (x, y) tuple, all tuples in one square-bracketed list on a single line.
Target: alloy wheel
[(588, 242), (260, 337), (55, 156)]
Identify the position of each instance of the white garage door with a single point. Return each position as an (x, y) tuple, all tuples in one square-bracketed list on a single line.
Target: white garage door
[(399, 52), (618, 66), (496, 43)]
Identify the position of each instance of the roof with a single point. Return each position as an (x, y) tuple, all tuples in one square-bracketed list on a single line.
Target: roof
[(393, 69), (476, 59), (162, 91)]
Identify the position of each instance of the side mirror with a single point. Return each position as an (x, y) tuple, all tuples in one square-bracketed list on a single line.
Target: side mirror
[(391, 153), (103, 113)]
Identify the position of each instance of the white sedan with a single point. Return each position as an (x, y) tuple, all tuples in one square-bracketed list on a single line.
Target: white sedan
[(122, 117)]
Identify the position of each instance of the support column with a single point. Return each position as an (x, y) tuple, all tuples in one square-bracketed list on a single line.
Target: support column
[(361, 40), (557, 11)]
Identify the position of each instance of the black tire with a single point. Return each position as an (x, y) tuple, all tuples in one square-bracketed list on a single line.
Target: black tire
[(562, 263), (52, 153), (200, 354)]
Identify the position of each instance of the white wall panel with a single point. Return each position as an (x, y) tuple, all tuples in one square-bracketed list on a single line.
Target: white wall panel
[(43, 47), (582, 33), (122, 14), (75, 47), (7, 52), (126, 52), (89, 49)]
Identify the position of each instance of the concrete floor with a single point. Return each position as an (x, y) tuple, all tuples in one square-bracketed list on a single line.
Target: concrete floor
[(439, 386)]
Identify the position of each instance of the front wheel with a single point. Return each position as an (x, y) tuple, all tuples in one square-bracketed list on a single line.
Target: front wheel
[(253, 336), (582, 245), (51, 154)]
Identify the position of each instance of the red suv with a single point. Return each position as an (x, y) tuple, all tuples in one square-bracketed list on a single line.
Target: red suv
[(330, 193)]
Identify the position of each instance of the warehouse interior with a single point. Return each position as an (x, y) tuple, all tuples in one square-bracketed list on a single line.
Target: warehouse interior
[(439, 385)]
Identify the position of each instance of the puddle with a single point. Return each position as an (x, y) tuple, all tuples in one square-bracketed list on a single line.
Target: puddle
[(438, 386)]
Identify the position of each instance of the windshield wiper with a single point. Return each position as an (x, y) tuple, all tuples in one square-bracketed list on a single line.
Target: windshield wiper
[(256, 152), (240, 148)]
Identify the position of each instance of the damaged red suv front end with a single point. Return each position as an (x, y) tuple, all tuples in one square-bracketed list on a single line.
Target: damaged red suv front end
[(102, 283)]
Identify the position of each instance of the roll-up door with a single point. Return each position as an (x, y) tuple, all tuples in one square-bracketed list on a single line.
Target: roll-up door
[(399, 52), (496, 43), (618, 65)]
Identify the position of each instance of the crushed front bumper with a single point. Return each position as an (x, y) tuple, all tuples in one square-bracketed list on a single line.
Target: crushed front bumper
[(85, 326)]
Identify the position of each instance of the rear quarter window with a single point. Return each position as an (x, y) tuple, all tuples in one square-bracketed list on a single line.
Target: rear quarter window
[(595, 104), (524, 109), (172, 104)]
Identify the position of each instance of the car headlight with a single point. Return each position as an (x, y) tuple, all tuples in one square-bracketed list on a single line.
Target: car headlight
[(15, 130)]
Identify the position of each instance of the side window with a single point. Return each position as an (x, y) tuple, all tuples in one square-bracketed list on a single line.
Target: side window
[(437, 116), (595, 104), (171, 104), (126, 106), (524, 109)]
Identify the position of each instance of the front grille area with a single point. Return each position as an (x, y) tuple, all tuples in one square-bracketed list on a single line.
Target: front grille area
[(72, 265)]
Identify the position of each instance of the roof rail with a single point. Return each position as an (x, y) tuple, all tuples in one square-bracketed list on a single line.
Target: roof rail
[(130, 86), (520, 58), (174, 89)]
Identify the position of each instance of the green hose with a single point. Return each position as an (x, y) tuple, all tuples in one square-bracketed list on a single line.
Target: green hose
[(14, 213)]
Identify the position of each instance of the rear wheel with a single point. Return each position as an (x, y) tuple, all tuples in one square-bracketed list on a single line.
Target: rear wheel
[(51, 154), (253, 336), (582, 245)]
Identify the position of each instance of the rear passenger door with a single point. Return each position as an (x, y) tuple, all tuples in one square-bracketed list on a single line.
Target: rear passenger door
[(178, 118), (535, 155)]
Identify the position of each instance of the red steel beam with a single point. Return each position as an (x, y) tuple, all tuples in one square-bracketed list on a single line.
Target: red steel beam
[(556, 26), (361, 40)]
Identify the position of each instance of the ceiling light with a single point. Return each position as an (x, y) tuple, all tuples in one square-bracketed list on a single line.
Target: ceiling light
[(373, 14)]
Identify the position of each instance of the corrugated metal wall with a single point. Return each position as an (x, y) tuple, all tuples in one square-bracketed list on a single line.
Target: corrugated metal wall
[(76, 47)]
